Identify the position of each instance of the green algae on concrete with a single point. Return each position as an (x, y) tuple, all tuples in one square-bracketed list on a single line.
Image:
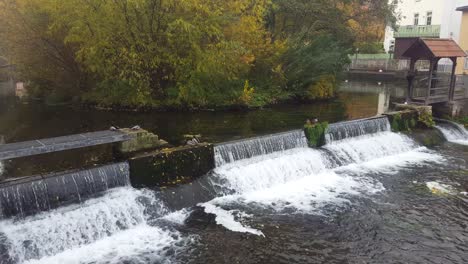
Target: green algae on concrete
[(142, 140), (171, 166), (315, 134)]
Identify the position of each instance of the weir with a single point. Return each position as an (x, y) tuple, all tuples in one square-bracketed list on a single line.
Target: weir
[(27, 196), (248, 148), (285, 176), (355, 128), (35, 147), (452, 131)]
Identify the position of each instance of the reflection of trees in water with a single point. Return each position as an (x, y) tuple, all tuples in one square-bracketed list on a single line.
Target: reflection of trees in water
[(360, 105)]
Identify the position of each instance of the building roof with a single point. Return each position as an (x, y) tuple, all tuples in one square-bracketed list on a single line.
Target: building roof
[(462, 8), (427, 48)]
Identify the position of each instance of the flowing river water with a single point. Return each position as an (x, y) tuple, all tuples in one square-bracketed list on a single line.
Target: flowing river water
[(368, 196)]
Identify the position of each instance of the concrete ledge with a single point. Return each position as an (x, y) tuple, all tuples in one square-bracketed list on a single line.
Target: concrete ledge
[(140, 140), (171, 166), (418, 108), (410, 116)]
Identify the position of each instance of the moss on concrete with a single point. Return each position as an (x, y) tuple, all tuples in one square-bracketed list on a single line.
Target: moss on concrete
[(402, 121), (142, 140), (427, 137), (315, 134), (171, 166)]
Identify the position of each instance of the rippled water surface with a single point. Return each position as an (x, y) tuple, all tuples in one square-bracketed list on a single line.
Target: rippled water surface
[(371, 198)]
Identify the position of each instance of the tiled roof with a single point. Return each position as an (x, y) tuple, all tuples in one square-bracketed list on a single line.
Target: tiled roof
[(434, 48)]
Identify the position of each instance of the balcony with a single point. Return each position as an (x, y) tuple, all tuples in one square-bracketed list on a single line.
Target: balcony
[(432, 31)]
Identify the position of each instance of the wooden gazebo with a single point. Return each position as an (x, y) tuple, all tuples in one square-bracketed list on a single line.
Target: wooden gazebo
[(432, 50)]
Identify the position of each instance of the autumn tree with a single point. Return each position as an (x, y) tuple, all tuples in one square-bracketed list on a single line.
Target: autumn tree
[(184, 53)]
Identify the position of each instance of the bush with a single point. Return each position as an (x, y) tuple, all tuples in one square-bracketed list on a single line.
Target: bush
[(323, 89), (400, 124), (315, 134), (425, 118)]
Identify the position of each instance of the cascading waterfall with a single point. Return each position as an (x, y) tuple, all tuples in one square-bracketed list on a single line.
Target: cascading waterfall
[(110, 229), (277, 173), (453, 132), (2, 166), (22, 197), (248, 148), (306, 180), (355, 128)]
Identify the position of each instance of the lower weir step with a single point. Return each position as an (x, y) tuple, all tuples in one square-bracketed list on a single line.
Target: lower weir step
[(42, 146), (30, 195)]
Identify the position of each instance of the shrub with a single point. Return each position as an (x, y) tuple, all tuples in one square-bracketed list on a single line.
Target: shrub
[(315, 134)]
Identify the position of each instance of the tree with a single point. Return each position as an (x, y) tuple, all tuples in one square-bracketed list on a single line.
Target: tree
[(183, 53)]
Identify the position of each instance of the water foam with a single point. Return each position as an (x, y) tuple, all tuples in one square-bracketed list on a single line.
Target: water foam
[(98, 223), (307, 180), (368, 147), (356, 128), (453, 132), (248, 148), (141, 244), (267, 171), (226, 219)]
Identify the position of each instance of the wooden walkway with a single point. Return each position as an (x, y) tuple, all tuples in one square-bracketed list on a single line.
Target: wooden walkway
[(42, 146), (440, 92)]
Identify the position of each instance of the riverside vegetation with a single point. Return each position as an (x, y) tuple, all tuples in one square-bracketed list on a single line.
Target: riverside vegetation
[(193, 53)]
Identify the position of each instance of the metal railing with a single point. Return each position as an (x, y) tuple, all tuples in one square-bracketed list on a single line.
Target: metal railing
[(394, 65), (432, 31)]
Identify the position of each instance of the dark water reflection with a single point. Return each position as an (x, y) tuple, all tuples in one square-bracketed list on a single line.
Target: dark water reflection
[(406, 223), (20, 122)]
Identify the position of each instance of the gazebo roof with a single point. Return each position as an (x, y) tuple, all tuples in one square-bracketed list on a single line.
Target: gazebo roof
[(429, 48)]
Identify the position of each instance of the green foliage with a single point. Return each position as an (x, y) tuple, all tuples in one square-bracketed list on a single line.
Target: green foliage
[(412, 123), (246, 96), (402, 124), (324, 57), (315, 134), (184, 53), (323, 88), (370, 47), (425, 118), (396, 122)]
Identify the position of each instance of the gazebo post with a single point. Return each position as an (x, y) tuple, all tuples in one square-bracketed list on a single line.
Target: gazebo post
[(431, 49), (410, 78), (452, 79), (429, 86)]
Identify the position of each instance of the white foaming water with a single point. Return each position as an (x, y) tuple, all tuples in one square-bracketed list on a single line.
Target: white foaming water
[(141, 244), (306, 180), (270, 170), (226, 219), (177, 217), (248, 148), (368, 147), (84, 233), (454, 132)]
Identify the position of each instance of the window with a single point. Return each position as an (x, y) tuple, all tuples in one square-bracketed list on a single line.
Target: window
[(416, 19), (429, 18), (466, 62)]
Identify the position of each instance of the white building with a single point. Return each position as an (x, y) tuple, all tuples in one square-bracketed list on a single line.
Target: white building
[(426, 18)]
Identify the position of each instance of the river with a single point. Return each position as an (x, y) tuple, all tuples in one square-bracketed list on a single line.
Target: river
[(372, 198)]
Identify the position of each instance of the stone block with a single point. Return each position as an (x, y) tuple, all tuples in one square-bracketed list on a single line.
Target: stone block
[(171, 166), (142, 140)]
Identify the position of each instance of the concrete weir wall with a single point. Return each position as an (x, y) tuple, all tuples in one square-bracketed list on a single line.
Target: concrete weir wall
[(171, 166)]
